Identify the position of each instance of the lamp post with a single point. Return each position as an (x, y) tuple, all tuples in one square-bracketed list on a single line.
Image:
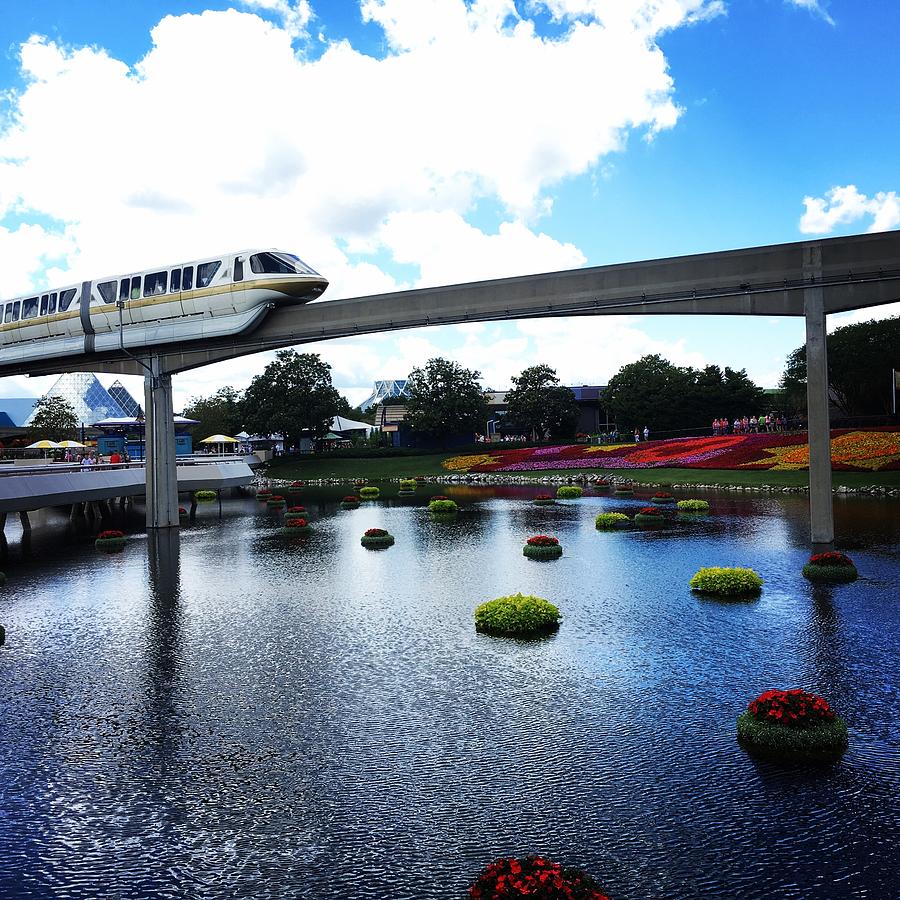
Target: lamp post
[(139, 420)]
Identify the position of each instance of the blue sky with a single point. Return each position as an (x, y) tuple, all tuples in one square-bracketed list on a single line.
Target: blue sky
[(682, 127)]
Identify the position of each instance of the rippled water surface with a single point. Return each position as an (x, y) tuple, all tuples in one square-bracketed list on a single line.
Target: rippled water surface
[(237, 714)]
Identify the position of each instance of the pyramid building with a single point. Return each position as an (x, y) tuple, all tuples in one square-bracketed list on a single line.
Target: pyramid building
[(90, 400)]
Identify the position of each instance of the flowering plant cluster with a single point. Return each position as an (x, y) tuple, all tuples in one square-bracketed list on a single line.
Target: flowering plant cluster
[(536, 878), (110, 535), (375, 532), (297, 484), (182, 511), (276, 498), (568, 491), (296, 523), (693, 505), (543, 540), (439, 497), (662, 495), (795, 708), (649, 511), (872, 450), (726, 582), (350, 498), (831, 558), (609, 520), (296, 509), (543, 497)]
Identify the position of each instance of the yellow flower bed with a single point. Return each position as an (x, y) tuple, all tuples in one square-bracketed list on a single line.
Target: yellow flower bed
[(864, 449), (464, 463)]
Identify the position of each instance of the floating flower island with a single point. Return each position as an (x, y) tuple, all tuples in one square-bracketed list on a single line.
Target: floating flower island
[(263, 494), (442, 507), (276, 501), (734, 582), (544, 500), (609, 520), (650, 517), (792, 726), (369, 493), (296, 485), (112, 540), (693, 506), (205, 496), (296, 511), (601, 485), (350, 502), (833, 566), (408, 487), (536, 878), (518, 615), (296, 527), (662, 497), (569, 492), (542, 546), (624, 489), (182, 512), (377, 539)]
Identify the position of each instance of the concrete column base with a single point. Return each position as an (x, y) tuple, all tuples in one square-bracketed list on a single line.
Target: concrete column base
[(161, 475)]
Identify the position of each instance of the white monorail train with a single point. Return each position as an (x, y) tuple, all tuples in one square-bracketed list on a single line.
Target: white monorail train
[(205, 298)]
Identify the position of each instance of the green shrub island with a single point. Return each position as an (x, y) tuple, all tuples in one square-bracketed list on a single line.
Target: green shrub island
[(442, 506), (727, 582), (792, 726), (609, 520), (111, 540), (544, 500), (542, 546), (369, 493), (377, 539), (205, 496), (569, 492), (297, 527), (350, 502), (518, 615), (276, 501), (408, 484), (693, 506), (662, 497), (833, 566), (650, 517)]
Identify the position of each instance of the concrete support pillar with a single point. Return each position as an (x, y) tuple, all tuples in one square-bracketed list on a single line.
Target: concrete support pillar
[(26, 522), (162, 477), (821, 512)]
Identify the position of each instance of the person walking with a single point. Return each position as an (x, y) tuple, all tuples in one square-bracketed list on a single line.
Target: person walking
[(646, 433), (637, 436)]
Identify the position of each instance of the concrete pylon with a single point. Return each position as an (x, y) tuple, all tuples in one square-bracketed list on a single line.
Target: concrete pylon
[(821, 512), (160, 464)]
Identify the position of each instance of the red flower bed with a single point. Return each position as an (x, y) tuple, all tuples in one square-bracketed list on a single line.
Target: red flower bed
[(649, 511), (296, 509), (111, 535), (298, 484), (536, 878), (542, 540), (277, 497), (296, 523), (795, 708), (439, 497), (350, 498), (662, 495), (375, 532), (831, 558), (182, 511), (543, 497)]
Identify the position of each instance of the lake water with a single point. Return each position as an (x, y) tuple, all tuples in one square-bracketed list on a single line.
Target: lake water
[(233, 713)]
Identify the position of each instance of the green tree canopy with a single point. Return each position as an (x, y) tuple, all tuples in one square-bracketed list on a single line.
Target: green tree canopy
[(54, 419), (861, 358), (445, 399), (539, 405), (293, 395), (220, 413), (654, 392)]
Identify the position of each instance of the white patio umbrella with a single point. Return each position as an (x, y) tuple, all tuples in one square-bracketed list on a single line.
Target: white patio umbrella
[(70, 444), (43, 445)]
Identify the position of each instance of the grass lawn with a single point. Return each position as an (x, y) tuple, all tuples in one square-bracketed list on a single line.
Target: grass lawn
[(399, 466)]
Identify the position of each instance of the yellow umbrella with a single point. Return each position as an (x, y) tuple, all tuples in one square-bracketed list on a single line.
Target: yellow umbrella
[(43, 445), (219, 439), (70, 444)]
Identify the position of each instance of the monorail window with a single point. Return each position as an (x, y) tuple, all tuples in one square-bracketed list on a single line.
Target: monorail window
[(12, 312), (155, 284), (30, 307), (206, 272), (136, 287), (238, 268), (107, 290), (45, 304), (187, 278), (124, 285), (53, 303), (65, 298), (272, 264), (175, 283)]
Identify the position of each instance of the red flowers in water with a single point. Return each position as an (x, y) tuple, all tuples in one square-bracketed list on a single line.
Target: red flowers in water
[(536, 878), (376, 532), (662, 495), (110, 535), (543, 540), (649, 511), (296, 509), (543, 497), (298, 484), (276, 497), (831, 558), (296, 523), (439, 497), (795, 708)]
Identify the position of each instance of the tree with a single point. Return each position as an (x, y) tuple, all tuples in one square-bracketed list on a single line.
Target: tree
[(445, 399), (539, 405), (293, 395), (54, 418), (861, 358), (220, 413)]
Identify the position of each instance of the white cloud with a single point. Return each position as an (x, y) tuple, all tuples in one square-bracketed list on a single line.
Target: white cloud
[(225, 135), (843, 205), (814, 6)]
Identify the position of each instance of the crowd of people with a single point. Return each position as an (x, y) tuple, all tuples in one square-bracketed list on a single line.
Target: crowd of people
[(761, 424)]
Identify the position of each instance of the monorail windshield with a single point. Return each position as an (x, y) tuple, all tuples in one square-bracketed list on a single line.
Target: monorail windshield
[(279, 264)]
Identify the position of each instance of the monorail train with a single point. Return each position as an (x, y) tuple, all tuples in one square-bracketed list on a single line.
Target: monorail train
[(205, 298)]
